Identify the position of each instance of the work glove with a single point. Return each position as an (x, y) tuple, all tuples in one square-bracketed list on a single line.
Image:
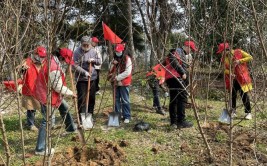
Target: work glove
[(87, 75), (166, 94), (91, 60)]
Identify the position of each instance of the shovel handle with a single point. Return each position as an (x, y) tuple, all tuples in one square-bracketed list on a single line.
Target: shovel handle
[(88, 88), (74, 98)]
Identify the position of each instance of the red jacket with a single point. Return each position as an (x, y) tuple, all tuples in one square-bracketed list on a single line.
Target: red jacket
[(29, 78), (41, 84), (170, 71)]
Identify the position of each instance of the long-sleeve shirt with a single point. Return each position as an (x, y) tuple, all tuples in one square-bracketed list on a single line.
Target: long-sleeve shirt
[(81, 65)]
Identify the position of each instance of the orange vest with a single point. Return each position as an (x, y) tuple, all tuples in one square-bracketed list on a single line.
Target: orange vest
[(159, 72), (241, 71), (170, 71), (121, 68), (29, 78), (40, 89)]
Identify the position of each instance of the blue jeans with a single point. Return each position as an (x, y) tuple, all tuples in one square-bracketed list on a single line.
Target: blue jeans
[(123, 101), (31, 118), (69, 125)]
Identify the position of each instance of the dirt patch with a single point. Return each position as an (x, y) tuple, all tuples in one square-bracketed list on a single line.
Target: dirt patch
[(104, 153)]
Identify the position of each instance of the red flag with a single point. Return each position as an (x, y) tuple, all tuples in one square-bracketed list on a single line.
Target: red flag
[(110, 35)]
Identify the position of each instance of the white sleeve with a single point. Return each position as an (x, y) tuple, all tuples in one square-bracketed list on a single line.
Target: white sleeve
[(127, 71), (57, 84)]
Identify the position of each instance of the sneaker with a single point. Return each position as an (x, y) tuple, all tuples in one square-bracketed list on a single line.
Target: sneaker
[(174, 126), (33, 128), (185, 124), (161, 112), (127, 121), (45, 152), (66, 133), (248, 116), (98, 93)]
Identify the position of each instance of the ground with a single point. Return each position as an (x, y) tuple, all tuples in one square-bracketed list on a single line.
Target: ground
[(161, 145)]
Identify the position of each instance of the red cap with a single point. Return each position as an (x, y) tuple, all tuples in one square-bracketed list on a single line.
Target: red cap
[(41, 51), (222, 47), (191, 44), (119, 48), (95, 39), (67, 54)]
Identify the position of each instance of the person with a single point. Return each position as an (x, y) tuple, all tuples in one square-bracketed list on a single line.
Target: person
[(175, 76), (186, 57), (56, 76), (30, 68), (237, 59), (83, 56), (120, 74), (95, 41), (156, 78)]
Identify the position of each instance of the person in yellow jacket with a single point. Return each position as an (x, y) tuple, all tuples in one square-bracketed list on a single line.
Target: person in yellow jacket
[(242, 81)]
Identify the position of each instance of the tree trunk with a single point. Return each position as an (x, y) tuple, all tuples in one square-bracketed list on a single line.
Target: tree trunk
[(130, 29)]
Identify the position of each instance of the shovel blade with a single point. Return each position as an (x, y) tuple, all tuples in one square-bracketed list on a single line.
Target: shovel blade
[(224, 118), (114, 119), (87, 121)]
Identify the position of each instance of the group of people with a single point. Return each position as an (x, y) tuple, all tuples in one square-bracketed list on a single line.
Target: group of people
[(38, 72)]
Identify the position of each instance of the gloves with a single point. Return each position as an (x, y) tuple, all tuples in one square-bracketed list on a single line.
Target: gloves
[(87, 74), (91, 60), (166, 94)]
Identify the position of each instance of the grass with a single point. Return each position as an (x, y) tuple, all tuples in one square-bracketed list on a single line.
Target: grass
[(139, 151)]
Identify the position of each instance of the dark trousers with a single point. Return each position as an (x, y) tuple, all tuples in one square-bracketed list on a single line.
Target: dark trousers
[(178, 98), (244, 96), (155, 91), (97, 80), (30, 117), (82, 93)]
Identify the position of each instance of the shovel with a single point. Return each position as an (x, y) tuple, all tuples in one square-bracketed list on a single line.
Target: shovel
[(87, 121), (224, 118), (114, 117), (79, 128)]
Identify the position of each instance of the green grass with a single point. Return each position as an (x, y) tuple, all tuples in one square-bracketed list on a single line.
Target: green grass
[(139, 152)]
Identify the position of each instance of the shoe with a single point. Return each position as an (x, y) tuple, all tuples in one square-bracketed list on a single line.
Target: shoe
[(127, 121), (33, 128), (184, 124), (248, 116), (174, 126), (233, 115), (161, 112), (45, 152), (66, 133), (98, 93)]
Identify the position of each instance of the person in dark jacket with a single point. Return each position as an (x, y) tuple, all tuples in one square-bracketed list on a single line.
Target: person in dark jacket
[(175, 76)]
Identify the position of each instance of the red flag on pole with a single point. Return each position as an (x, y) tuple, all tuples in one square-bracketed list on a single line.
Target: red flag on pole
[(110, 35)]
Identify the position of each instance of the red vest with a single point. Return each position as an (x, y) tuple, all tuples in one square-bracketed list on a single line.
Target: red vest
[(41, 84), (241, 71), (121, 68), (29, 78), (170, 71)]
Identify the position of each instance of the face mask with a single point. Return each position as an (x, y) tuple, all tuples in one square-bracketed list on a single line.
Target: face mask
[(36, 59), (118, 54)]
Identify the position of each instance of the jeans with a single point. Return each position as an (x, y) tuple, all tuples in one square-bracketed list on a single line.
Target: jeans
[(30, 117), (69, 125), (82, 93), (122, 101), (155, 91), (178, 98), (244, 96)]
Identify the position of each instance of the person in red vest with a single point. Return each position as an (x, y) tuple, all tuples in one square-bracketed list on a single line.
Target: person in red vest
[(121, 75), (156, 78), (175, 76), (237, 61), (30, 68), (56, 76)]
